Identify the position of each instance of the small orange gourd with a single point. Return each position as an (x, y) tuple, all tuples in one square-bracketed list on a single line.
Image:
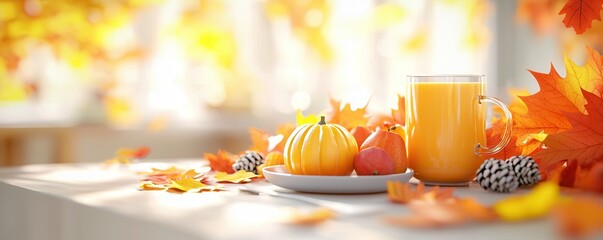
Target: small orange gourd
[(274, 158), (320, 149)]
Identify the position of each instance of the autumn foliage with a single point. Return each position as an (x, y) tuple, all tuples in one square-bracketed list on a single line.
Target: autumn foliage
[(562, 124)]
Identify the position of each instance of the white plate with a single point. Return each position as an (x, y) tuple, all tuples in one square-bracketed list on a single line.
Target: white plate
[(279, 176)]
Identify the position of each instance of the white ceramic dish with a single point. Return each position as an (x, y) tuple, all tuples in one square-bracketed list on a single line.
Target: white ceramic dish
[(279, 176)]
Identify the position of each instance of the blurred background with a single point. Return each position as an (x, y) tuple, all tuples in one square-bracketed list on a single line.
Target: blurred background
[(82, 78)]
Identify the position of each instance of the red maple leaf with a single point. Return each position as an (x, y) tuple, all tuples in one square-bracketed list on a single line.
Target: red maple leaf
[(580, 13)]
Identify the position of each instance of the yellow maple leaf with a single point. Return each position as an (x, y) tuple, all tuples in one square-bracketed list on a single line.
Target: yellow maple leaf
[(237, 177), (167, 171), (537, 203), (310, 119), (310, 218), (148, 186), (186, 184)]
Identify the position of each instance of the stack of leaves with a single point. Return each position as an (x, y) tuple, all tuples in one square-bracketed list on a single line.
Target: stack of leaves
[(174, 179)]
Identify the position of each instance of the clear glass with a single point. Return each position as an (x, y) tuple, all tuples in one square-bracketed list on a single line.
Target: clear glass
[(446, 127)]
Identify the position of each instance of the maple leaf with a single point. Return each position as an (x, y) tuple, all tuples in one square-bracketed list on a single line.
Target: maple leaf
[(259, 140), (542, 15), (579, 217), (431, 214), (222, 161), (399, 114), (537, 203), (401, 193), (580, 13), (167, 171), (584, 142), (186, 184), (152, 187), (285, 130), (240, 176), (263, 142), (311, 218), (559, 95), (347, 117), (301, 119), (542, 114)]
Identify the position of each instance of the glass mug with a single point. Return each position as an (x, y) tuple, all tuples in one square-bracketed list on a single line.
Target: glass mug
[(446, 127)]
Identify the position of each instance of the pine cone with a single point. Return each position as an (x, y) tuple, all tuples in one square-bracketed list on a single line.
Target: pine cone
[(525, 169), (249, 162), (497, 175)]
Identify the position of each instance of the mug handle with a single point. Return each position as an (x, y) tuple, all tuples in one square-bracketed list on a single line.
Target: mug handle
[(506, 137)]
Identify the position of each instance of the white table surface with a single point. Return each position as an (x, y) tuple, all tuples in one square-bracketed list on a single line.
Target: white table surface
[(87, 201)]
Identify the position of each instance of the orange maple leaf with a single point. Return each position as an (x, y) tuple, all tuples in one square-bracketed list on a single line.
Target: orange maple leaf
[(580, 13), (259, 140), (559, 95), (285, 130), (435, 208), (399, 114), (401, 193), (542, 15), (347, 117), (544, 113), (263, 142), (222, 161), (584, 142), (579, 217)]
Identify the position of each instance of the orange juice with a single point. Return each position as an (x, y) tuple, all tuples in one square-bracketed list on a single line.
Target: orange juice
[(444, 123)]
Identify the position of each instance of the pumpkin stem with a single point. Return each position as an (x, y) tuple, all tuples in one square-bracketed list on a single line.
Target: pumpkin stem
[(322, 121)]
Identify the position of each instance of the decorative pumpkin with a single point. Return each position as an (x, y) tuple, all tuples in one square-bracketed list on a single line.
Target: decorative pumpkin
[(320, 149)]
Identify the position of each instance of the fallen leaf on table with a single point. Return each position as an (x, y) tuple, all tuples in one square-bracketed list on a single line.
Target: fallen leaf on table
[(537, 203), (152, 187), (310, 218), (167, 171), (579, 14), (157, 180), (579, 217), (186, 184), (222, 161), (399, 192), (238, 177), (443, 213)]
